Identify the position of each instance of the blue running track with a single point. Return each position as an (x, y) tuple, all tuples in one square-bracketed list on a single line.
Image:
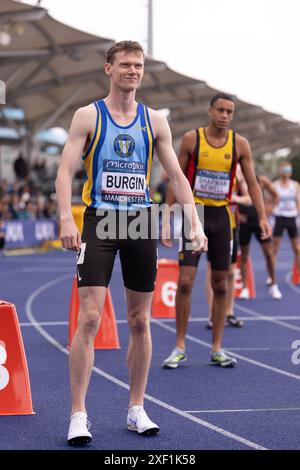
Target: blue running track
[(253, 406)]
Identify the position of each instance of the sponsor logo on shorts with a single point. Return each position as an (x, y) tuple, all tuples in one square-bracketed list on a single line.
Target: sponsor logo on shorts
[(81, 254)]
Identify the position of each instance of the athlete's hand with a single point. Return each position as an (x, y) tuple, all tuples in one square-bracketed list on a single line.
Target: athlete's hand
[(269, 209), (234, 198), (198, 240), (243, 218), (69, 234), (266, 229), (166, 235)]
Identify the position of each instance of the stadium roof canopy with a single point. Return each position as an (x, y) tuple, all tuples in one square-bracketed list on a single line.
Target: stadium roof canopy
[(50, 69)]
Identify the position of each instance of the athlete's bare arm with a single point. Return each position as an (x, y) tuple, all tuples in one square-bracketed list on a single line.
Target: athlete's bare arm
[(268, 186), (246, 162), (178, 182), (298, 196), (84, 119), (186, 148), (243, 197)]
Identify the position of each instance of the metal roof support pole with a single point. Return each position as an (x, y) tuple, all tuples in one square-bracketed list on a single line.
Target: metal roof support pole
[(26, 15), (27, 148), (61, 109), (150, 28)]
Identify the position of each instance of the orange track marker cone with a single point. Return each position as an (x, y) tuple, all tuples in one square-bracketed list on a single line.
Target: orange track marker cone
[(295, 274), (15, 393), (250, 280), (163, 305), (107, 336)]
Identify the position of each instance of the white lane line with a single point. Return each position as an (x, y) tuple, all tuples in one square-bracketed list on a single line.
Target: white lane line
[(164, 320), (162, 404), (239, 356), (5, 273), (70, 270), (252, 318), (270, 319), (46, 323), (250, 410), (259, 349), (49, 270), (65, 323), (281, 266)]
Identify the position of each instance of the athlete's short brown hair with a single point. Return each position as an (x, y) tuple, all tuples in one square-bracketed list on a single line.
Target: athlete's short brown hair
[(128, 46)]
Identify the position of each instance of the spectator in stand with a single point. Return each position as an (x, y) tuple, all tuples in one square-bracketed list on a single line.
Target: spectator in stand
[(2, 234), (21, 167), (24, 200), (159, 195), (31, 210), (50, 209)]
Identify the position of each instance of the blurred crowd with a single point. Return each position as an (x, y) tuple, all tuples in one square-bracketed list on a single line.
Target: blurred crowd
[(28, 196), (23, 200)]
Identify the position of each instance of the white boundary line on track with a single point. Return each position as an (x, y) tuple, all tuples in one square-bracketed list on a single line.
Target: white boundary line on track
[(5, 273), (264, 317), (250, 410), (66, 323), (46, 323), (41, 269), (60, 269), (57, 345), (239, 356), (169, 320)]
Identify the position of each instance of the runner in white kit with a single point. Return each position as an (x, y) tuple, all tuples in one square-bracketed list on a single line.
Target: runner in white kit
[(287, 211)]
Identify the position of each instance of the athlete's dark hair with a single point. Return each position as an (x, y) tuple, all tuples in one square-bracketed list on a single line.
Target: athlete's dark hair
[(221, 96), (128, 46)]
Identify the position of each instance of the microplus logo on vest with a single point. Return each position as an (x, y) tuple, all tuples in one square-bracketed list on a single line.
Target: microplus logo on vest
[(124, 145)]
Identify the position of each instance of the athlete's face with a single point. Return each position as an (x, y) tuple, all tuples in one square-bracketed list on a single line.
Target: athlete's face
[(127, 70), (285, 171), (221, 113)]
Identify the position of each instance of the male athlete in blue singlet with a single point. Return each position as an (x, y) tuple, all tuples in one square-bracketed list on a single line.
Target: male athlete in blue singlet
[(117, 136)]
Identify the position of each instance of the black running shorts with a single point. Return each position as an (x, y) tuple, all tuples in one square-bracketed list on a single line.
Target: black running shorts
[(245, 233), (288, 223), (217, 228), (233, 246), (96, 257)]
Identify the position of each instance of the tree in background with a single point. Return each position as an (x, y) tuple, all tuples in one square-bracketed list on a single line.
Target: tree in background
[(268, 164), (295, 161)]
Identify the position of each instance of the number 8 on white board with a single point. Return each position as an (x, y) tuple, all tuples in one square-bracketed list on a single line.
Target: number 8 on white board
[(4, 374)]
